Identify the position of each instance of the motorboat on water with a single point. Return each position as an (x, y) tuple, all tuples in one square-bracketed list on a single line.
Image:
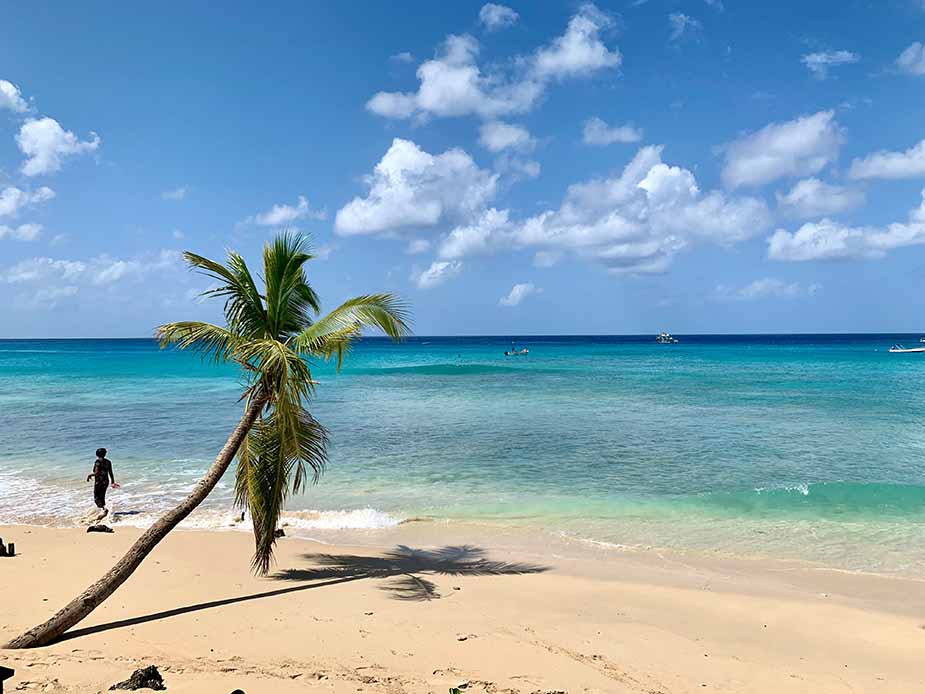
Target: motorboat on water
[(666, 339), (514, 352), (900, 349)]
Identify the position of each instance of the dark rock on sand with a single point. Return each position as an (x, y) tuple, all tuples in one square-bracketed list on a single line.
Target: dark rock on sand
[(279, 532), (99, 529), (145, 678)]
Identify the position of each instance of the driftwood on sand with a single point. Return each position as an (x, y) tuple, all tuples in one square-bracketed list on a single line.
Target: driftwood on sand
[(144, 678)]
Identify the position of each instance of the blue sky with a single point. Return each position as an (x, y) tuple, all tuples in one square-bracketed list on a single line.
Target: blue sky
[(618, 167)]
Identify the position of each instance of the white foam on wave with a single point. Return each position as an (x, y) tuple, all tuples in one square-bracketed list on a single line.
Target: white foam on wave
[(25, 500), (802, 489), (215, 519), (354, 519)]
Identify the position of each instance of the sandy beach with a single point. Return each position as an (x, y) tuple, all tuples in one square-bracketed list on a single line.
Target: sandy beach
[(427, 618)]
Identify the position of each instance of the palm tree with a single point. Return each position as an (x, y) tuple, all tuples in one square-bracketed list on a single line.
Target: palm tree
[(271, 334)]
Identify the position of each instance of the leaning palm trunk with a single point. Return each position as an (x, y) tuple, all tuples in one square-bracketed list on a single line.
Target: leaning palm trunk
[(92, 597), (272, 333)]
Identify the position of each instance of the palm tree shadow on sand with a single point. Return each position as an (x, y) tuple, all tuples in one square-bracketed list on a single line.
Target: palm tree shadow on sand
[(407, 572), (407, 569)]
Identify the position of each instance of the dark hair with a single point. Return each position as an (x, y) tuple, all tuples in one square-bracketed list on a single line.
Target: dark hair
[(100, 452)]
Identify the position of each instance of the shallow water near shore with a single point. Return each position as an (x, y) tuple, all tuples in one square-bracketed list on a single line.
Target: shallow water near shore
[(792, 447)]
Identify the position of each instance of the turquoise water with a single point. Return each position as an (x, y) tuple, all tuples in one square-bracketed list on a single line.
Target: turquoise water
[(800, 447)]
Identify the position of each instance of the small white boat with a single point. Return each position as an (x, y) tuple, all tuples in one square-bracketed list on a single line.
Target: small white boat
[(899, 349), (922, 339), (666, 339)]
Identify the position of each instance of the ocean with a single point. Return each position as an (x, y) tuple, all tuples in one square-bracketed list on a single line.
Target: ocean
[(796, 447)]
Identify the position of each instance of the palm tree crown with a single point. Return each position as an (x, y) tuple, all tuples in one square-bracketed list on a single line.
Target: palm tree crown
[(273, 333)]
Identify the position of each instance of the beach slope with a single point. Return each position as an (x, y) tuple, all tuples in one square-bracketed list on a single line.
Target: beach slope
[(336, 619)]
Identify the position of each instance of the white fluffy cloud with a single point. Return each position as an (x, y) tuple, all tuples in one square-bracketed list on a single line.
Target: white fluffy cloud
[(476, 238), (517, 167), (912, 60), (518, 293), (13, 200), (766, 288), (23, 232), (496, 136), (281, 214), (494, 17), (11, 98), (438, 273), (800, 147), (634, 222), (411, 188), (814, 198), (597, 132), (46, 144), (682, 24), (39, 269), (826, 239), (823, 240), (45, 280), (101, 270), (579, 51), (452, 83), (820, 63), (891, 165)]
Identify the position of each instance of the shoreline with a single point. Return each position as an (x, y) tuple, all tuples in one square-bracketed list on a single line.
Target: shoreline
[(523, 537), (362, 617)]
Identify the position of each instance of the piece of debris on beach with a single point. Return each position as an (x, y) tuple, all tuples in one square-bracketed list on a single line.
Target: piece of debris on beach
[(144, 678)]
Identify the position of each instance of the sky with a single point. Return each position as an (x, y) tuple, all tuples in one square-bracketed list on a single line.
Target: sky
[(697, 166)]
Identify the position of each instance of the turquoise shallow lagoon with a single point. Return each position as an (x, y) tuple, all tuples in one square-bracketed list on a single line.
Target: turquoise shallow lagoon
[(797, 447)]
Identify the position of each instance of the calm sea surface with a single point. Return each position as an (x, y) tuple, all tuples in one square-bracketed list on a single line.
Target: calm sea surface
[(798, 447)]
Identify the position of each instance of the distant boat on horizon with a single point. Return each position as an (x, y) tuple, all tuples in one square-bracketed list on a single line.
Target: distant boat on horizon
[(666, 339), (899, 349)]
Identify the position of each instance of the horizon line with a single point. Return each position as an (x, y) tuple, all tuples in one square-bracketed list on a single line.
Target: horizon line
[(541, 335)]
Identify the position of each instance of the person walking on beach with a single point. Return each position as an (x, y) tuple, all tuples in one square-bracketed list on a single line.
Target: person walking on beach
[(102, 477)]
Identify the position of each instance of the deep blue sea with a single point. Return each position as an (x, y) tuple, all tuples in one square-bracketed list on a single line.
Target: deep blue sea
[(806, 447)]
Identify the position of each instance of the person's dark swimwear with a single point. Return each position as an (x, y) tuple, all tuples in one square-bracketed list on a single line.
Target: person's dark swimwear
[(102, 477)]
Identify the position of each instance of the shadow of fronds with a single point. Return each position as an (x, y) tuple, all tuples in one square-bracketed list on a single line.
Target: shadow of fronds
[(407, 569)]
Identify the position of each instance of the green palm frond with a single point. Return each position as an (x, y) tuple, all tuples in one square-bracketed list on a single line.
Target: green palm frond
[(337, 345), (270, 331), (281, 369), (290, 299), (218, 344), (332, 334), (274, 464), (244, 307)]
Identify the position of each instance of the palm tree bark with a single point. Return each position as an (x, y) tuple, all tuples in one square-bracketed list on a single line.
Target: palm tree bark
[(91, 598)]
